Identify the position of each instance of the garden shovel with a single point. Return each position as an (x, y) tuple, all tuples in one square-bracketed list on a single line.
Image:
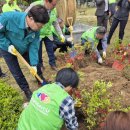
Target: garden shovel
[(73, 51), (29, 67), (118, 64)]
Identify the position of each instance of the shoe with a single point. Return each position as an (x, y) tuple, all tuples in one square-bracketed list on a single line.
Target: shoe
[(28, 94), (53, 67), (3, 75), (44, 81)]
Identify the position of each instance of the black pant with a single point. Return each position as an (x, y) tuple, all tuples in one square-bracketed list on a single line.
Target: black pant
[(102, 20), (58, 44), (13, 65), (49, 48), (114, 26)]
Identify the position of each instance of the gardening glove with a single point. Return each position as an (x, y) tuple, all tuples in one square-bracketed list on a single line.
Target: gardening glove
[(100, 61), (104, 54), (62, 38), (70, 28), (33, 70), (70, 39), (11, 49)]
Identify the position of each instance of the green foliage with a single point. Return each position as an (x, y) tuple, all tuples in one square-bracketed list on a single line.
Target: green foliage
[(10, 107), (96, 103)]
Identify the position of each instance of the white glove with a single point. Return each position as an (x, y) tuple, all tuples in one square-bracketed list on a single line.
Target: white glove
[(70, 28), (11, 49), (70, 39), (33, 70), (62, 38), (104, 54), (100, 61)]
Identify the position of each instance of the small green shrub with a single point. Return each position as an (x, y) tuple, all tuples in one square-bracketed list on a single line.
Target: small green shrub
[(10, 107), (96, 103)]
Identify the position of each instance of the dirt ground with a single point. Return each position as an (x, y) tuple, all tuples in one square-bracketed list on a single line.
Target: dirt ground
[(92, 71)]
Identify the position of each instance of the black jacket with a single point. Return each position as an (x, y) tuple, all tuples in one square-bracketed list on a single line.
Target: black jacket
[(123, 10), (100, 4)]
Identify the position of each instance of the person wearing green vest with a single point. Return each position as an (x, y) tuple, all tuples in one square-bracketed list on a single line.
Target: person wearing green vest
[(97, 38), (57, 43), (51, 105), (10, 5), (112, 9), (46, 33)]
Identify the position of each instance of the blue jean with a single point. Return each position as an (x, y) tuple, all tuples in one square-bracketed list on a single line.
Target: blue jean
[(49, 48), (13, 65), (83, 41)]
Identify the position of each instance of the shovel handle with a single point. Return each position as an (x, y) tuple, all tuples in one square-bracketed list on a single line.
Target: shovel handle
[(28, 66), (70, 21)]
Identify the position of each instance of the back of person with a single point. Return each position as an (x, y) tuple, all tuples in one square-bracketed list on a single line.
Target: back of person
[(90, 35), (42, 113)]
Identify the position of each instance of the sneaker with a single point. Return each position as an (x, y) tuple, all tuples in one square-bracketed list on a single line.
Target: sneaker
[(44, 81), (28, 94)]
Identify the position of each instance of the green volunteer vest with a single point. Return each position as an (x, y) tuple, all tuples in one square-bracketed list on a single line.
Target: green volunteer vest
[(46, 30), (6, 7), (89, 35), (112, 1), (42, 113)]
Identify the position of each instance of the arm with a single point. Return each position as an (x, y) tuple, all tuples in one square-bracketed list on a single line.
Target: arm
[(57, 28), (67, 112), (33, 50), (94, 47), (4, 42), (104, 43)]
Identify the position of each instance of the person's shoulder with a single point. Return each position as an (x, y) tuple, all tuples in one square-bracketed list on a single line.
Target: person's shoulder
[(13, 16), (12, 13)]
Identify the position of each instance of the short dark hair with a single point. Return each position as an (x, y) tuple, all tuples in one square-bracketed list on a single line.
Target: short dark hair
[(117, 120), (39, 14), (67, 77), (101, 30)]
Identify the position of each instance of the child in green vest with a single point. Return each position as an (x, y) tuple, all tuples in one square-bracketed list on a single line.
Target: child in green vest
[(96, 37), (51, 105), (10, 5)]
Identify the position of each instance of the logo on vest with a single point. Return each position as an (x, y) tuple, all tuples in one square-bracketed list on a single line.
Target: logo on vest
[(43, 97)]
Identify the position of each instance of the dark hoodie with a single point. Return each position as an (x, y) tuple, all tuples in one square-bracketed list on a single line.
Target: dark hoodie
[(123, 10)]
